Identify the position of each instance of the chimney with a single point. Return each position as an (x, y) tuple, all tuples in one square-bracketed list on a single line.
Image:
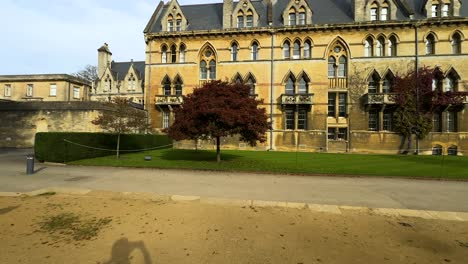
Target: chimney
[(104, 59), (227, 14)]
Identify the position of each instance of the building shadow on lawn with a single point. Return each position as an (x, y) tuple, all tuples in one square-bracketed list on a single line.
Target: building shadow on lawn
[(122, 248), (196, 155)]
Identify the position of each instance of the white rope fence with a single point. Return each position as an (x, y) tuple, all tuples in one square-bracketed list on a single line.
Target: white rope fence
[(114, 150)]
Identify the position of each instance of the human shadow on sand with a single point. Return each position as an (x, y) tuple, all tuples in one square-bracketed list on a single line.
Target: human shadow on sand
[(122, 248)]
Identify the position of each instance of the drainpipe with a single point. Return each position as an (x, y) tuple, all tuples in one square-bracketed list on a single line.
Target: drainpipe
[(271, 86), (69, 87), (416, 65), (147, 103)]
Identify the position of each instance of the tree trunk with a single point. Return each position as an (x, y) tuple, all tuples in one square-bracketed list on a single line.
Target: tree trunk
[(118, 145), (218, 151), (410, 142)]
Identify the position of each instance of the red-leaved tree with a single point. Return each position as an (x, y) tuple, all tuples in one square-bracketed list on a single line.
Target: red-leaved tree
[(417, 99), (220, 109)]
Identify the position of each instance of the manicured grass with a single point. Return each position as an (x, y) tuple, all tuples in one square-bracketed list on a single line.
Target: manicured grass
[(454, 167)]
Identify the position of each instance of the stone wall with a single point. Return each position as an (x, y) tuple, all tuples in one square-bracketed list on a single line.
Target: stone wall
[(20, 121)]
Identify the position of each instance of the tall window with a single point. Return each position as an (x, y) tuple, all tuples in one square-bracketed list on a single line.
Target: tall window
[(332, 107), (251, 83), (445, 10), (240, 20), (290, 120), (374, 121), (430, 45), (332, 104), (387, 120), (392, 46), (290, 86), (76, 92), (451, 122), (182, 53), (456, 44), (167, 86), (286, 50), (342, 67), (368, 47), (29, 90), (450, 84), (203, 70), (53, 90), (297, 50), (342, 104), (387, 85), (436, 122), (234, 52), (254, 51), (302, 119), (307, 48), (212, 70), (178, 86), (331, 67), (384, 13), (372, 86), (166, 119), (173, 54), (380, 47), (302, 89), (164, 54), (292, 19), (7, 90)]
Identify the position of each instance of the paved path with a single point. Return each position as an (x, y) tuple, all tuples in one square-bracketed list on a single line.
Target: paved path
[(367, 192)]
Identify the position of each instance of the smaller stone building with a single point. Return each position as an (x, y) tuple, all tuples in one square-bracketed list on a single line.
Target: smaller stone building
[(118, 79), (43, 87)]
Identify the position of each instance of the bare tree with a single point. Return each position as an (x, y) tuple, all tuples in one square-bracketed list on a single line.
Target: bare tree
[(89, 73), (121, 119)]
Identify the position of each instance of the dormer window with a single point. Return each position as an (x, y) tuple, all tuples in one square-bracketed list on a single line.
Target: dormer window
[(240, 20), (435, 11), (301, 19), (249, 20), (292, 17), (373, 14), (445, 10), (384, 14), (179, 23), (170, 23)]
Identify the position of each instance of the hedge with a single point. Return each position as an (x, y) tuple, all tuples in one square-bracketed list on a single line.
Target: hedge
[(52, 146)]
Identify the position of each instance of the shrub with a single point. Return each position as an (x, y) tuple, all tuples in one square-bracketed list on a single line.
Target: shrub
[(52, 146)]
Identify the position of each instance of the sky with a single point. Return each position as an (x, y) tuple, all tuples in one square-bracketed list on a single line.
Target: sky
[(62, 36)]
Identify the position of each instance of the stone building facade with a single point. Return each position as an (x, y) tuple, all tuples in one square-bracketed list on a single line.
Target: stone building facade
[(302, 58), (122, 79), (43, 87)]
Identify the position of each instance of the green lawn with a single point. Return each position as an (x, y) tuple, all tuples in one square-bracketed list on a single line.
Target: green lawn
[(291, 162)]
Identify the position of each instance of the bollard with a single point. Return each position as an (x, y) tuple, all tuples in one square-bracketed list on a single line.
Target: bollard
[(30, 164)]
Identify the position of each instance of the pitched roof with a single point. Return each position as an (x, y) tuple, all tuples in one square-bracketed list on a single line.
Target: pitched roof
[(210, 16), (120, 69)]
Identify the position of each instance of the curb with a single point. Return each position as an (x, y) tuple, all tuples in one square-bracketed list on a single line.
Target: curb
[(320, 208)]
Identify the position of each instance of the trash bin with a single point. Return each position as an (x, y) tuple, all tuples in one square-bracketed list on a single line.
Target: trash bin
[(30, 164)]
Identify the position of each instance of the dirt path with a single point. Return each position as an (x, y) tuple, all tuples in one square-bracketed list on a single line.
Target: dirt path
[(145, 231)]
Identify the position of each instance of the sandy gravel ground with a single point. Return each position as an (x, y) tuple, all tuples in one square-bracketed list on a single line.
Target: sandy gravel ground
[(151, 231)]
